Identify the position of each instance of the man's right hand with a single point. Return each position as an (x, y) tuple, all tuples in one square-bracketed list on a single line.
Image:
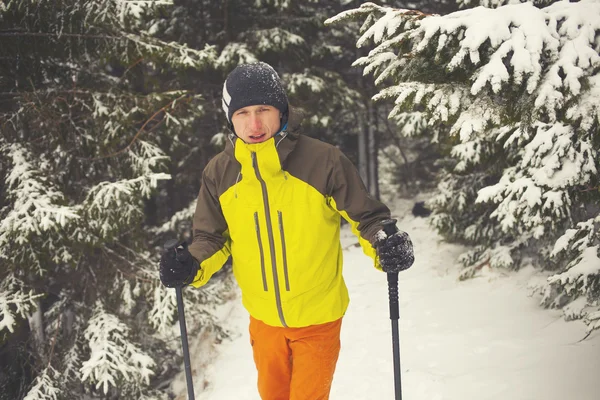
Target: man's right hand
[(178, 267)]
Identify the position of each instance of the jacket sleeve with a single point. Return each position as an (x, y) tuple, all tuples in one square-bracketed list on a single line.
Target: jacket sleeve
[(211, 242), (349, 196)]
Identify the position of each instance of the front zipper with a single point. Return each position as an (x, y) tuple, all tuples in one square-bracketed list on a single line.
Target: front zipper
[(284, 253), (262, 254), (263, 186)]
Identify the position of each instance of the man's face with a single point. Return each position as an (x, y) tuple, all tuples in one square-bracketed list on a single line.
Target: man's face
[(255, 124)]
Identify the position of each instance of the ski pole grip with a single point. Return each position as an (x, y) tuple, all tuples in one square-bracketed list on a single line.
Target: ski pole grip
[(173, 244), (389, 227), (170, 244)]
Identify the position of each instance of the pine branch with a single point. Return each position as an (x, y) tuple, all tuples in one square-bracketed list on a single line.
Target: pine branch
[(396, 141), (139, 132), (591, 189), (57, 35), (139, 60), (130, 275)]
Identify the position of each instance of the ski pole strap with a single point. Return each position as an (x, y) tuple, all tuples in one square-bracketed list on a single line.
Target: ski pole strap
[(393, 295)]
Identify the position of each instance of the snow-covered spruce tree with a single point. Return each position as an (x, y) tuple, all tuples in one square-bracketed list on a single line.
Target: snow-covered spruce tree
[(513, 93), (88, 100)]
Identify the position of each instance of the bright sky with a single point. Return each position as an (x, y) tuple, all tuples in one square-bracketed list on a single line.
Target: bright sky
[(480, 339)]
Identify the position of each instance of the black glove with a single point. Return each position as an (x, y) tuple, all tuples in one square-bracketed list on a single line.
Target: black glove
[(177, 266), (395, 250)]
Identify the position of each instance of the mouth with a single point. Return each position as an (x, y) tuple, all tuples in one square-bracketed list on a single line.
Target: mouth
[(258, 137)]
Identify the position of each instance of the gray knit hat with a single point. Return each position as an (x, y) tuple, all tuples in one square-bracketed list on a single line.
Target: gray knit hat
[(254, 84)]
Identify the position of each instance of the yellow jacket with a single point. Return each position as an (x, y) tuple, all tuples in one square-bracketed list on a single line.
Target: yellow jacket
[(275, 207)]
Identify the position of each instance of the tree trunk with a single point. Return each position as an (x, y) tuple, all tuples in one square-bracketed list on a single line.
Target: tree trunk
[(363, 154), (373, 142), (36, 326), (226, 24)]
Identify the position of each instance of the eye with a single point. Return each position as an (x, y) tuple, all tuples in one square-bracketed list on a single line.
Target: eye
[(241, 112)]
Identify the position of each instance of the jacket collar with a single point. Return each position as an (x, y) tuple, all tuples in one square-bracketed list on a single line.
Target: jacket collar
[(270, 154)]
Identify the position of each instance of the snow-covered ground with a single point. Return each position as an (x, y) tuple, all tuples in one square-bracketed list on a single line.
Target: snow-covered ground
[(480, 339)]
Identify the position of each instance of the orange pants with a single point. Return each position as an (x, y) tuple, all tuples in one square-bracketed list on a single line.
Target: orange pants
[(295, 363)]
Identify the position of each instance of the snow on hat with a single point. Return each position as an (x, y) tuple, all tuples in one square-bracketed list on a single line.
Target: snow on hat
[(253, 84)]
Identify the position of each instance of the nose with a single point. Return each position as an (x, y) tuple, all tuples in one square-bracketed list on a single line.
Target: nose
[(255, 122)]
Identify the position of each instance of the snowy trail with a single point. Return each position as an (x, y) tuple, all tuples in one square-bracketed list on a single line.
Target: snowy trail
[(483, 339)]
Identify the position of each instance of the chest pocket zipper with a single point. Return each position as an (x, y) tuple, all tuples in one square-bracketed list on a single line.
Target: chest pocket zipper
[(262, 253), (284, 253)]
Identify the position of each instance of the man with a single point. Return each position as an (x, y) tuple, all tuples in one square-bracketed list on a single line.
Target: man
[(273, 201)]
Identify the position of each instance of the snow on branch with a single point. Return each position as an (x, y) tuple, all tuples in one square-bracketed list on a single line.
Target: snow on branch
[(578, 239), (36, 202), (514, 35), (577, 26), (551, 163), (115, 195), (586, 110), (71, 364), (357, 13), (275, 39), (235, 53), (556, 159), (175, 54), (45, 386), (581, 278), (163, 315), (145, 157), (476, 119), (578, 286), (121, 11), (516, 195), (386, 26), (164, 309), (15, 302), (443, 101), (582, 271), (295, 82), (183, 216), (500, 3), (113, 357)]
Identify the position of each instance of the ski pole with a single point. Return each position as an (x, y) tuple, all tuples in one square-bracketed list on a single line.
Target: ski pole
[(389, 227), (184, 344), (172, 245)]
